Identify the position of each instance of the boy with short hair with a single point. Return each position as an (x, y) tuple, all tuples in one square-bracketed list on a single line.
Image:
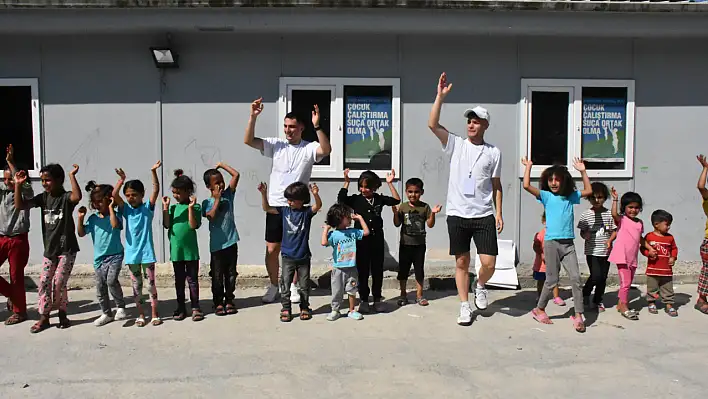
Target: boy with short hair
[(412, 216), (659, 268)]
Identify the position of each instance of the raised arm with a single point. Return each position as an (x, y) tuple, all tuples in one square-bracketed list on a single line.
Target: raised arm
[(434, 119), (316, 195), (527, 178), (216, 194), (115, 222), (263, 188), (362, 222), (10, 158), (702, 178), (166, 222), (80, 228), (346, 179), (431, 218), (615, 199), (325, 147), (117, 199), (250, 138), (20, 180), (155, 183), (325, 235), (76, 195), (235, 176), (193, 215), (580, 167), (389, 180)]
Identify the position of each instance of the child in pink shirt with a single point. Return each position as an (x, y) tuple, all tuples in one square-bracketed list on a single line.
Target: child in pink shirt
[(539, 264)]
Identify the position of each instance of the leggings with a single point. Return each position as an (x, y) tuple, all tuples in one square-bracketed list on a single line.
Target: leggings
[(188, 270), (136, 277), (53, 282), (626, 276)]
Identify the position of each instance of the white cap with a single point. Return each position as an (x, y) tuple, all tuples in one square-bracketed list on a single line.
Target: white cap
[(477, 112)]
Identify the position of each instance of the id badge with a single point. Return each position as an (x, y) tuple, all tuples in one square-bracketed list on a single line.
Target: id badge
[(469, 185)]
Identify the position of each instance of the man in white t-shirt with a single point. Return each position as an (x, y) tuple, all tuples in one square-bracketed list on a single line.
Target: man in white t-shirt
[(293, 159), (474, 191)]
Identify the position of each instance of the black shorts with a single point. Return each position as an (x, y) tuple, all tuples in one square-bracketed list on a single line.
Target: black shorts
[(274, 228), (463, 230), (411, 255)]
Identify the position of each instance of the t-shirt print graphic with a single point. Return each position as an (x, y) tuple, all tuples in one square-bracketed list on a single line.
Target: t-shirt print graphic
[(662, 248), (53, 217), (415, 223), (292, 227), (346, 249)]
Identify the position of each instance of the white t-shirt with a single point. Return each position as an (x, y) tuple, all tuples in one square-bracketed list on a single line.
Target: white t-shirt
[(291, 163), (482, 162)]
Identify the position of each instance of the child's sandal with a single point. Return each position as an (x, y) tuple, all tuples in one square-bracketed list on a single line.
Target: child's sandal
[(156, 321), (64, 321), (402, 301), (197, 315), (179, 315), (39, 326), (422, 301), (231, 308), (140, 322), (286, 316), (306, 314), (652, 308), (220, 311), (671, 311), (578, 324)]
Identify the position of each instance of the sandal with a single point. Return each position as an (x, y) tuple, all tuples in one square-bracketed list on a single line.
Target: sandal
[(40, 326), (140, 322), (422, 301), (306, 314), (286, 316), (402, 301), (541, 317), (16, 318), (578, 323), (179, 315), (701, 307), (231, 308), (652, 308), (64, 321), (671, 311), (197, 315), (156, 321), (220, 311), (630, 315)]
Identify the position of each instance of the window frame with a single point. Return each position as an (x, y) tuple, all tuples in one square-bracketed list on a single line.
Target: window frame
[(33, 84), (337, 118), (575, 87)]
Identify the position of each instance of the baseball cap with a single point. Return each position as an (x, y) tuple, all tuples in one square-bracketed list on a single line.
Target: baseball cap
[(477, 112)]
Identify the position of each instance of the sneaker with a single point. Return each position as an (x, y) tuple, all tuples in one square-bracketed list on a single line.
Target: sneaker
[(120, 314), (294, 294), (379, 307), (559, 301), (600, 307), (355, 315), (270, 295), (480, 298), (333, 315), (103, 320), (364, 307), (465, 318)]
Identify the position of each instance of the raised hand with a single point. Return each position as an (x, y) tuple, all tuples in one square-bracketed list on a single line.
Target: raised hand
[(75, 170), (526, 162), (315, 190), (156, 166), (346, 175), (257, 107), (390, 176), (113, 203), (20, 177), (702, 160), (437, 208), (443, 87), (10, 154), (578, 164), (356, 216), (165, 202), (82, 211), (192, 201), (216, 192), (263, 187), (120, 173), (613, 193), (316, 116), (219, 166)]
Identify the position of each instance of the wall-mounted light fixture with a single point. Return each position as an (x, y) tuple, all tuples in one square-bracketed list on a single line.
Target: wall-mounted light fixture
[(164, 57)]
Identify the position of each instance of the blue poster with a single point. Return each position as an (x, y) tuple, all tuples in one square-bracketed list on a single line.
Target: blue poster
[(367, 127), (604, 129)]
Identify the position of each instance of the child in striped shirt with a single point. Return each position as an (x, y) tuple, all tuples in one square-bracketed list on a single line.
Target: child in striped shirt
[(660, 284), (596, 227)]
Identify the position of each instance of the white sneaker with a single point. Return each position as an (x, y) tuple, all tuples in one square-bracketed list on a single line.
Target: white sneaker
[(465, 318), (103, 320), (480, 298), (270, 295), (294, 295), (333, 315), (120, 314)]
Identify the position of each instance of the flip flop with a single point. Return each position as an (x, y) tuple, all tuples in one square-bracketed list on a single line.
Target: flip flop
[(630, 315), (671, 311), (15, 318), (578, 324), (541, 318), (422, 302), (39, 327), (701, 307), (140, 322), (156, 321), (652, 309)]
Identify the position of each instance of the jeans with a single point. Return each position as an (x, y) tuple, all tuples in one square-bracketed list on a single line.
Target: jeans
[(107, 280), (288, 268)]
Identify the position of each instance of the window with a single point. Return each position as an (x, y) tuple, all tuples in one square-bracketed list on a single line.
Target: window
[(590, 119), (19, 122), (360, 117)]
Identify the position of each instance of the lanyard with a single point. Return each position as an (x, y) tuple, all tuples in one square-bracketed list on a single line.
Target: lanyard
[(479, 155)]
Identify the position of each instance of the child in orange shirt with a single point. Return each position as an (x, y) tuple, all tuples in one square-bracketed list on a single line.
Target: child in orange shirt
[(539, 264), (660, 267)]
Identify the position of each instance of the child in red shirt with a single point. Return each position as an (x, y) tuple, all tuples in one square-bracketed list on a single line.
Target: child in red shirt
[(659, 268), (539, 265)]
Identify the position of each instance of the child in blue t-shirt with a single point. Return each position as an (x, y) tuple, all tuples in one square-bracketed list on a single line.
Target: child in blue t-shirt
[(343, 240), (104, 226), (558, 196), (295, 247), (223, 237)]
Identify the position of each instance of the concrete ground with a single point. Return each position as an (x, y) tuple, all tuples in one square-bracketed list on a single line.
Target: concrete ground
[(411, 352)]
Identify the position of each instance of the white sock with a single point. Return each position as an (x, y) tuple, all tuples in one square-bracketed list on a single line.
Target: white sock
[(480, 286)]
